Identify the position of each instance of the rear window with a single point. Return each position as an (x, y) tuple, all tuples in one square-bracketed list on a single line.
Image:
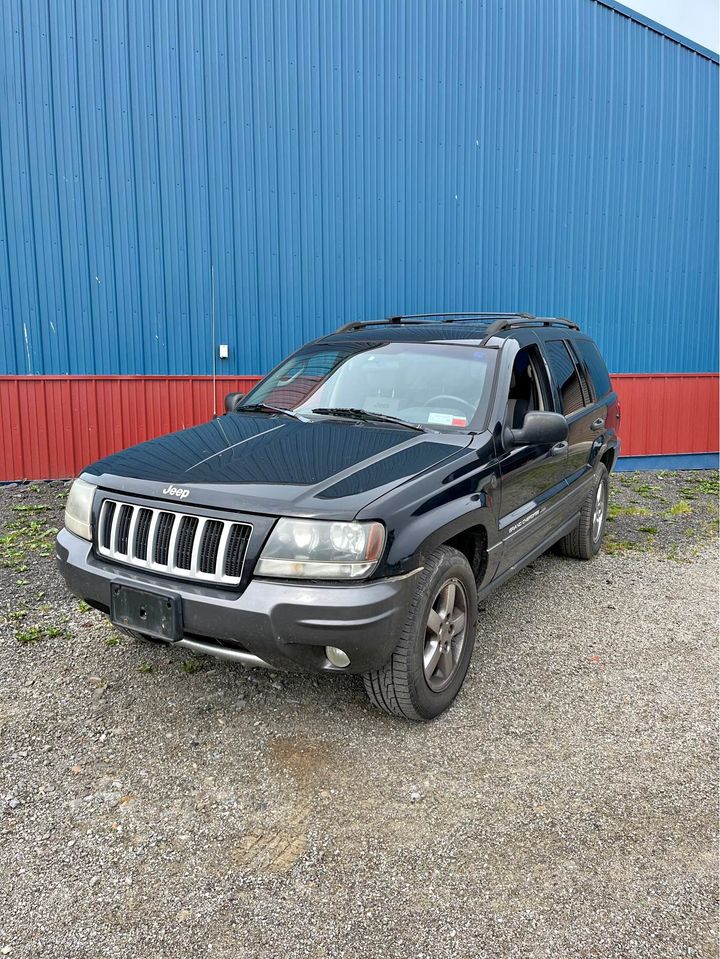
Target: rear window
[(566, 377), (595, 366)]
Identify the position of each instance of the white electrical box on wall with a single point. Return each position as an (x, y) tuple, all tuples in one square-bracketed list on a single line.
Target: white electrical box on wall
[(224, 351)]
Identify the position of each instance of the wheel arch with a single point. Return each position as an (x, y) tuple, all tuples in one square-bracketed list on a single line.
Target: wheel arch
[(473, 544), (609, 458)]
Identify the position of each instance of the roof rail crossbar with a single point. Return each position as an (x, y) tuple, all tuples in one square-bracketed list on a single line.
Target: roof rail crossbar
[(417, 318), (361, 324), (452, 317), (506, 324)]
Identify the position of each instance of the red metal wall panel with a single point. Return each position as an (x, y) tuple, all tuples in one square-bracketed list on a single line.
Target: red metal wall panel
[(665, 413), (53, 426)]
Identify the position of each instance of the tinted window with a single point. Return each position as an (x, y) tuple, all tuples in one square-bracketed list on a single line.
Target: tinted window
[(566, 376), (596, 366), (585, 386)]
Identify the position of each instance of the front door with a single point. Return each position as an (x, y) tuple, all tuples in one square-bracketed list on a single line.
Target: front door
[(533, 477)]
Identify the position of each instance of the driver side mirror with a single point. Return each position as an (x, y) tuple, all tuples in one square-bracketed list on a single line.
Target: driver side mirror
[(232, 401), (538, 429)]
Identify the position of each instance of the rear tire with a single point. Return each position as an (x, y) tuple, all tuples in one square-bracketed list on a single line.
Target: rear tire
[(585, 540), (431, 659)]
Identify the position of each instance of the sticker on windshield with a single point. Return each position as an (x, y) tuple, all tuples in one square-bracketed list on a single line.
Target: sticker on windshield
[(446, 419)]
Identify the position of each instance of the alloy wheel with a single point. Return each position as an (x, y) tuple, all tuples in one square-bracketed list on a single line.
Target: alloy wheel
[(598, 512), (445, 635)]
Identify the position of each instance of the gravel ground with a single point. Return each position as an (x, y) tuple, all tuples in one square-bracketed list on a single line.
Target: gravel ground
[(154, 804)]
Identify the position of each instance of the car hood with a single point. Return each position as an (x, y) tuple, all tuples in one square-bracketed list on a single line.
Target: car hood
[(276, 464)]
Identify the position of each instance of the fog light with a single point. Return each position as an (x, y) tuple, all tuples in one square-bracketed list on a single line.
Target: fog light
[(337, 657)]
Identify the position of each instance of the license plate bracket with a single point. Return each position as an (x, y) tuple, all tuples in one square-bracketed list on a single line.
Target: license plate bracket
[(157, 614)]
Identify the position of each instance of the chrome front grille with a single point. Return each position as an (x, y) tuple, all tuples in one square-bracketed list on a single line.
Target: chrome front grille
[(180, 544)]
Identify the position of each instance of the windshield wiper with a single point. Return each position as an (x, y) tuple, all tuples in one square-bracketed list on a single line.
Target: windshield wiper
[(367, 415), (266, 408)]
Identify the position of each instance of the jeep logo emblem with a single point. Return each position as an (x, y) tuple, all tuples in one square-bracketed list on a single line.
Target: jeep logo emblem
[(176, 491)]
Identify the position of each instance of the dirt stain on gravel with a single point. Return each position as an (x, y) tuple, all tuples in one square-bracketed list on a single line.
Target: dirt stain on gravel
[(276, 850), (304, 759)]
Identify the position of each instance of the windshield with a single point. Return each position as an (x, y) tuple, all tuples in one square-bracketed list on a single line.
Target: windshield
[(437, 385)]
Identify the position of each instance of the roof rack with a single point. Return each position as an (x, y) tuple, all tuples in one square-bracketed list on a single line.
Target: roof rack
[(510, 324), (417, 318), (501, 321)]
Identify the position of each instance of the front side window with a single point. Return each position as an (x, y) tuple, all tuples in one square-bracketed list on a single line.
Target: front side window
[(436, 385), (529, 387), (566, 377)]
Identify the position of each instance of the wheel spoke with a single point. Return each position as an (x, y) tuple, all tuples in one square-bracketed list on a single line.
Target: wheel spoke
[(447, 662), (431, 656), (434, 621), (458, 623), (449, 598)]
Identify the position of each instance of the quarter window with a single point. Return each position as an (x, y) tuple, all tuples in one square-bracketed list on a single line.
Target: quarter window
[(595, 365), (566, 376)]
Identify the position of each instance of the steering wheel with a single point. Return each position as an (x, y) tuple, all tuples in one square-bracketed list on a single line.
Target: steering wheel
[(455, 399)]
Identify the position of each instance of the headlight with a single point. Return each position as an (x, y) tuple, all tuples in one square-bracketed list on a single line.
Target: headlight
[(78, 509), (318, 549)]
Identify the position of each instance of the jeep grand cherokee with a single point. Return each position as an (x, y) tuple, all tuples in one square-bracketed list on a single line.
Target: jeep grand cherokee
[(350, 511)]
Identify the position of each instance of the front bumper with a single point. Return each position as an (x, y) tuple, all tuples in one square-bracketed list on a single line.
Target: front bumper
[(286, 625)]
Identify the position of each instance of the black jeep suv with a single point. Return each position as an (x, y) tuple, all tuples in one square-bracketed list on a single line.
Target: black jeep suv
[(348, 513)]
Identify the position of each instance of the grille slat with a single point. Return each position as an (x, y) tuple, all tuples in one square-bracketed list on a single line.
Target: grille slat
[(235, 552), (142, 533), (186, 535), (123, 528), (162, 538), (209, 546), (185, 545), (106, 525)]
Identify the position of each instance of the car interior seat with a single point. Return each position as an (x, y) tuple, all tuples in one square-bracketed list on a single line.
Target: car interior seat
[(522, 391)]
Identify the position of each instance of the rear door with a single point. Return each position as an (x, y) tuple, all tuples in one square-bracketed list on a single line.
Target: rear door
[(585, 415)]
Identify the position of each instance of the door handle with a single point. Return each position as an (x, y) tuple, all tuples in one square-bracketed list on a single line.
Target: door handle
[(559, 448), (599, 424)]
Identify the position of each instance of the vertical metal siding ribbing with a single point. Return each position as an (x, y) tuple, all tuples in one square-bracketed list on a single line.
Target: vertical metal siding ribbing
[(336, 161)]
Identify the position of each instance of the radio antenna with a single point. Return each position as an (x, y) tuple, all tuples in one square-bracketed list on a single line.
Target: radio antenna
[(214, 345)]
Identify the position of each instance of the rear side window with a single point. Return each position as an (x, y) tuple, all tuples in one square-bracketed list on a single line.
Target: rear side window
[(595, 366), (566, 376)]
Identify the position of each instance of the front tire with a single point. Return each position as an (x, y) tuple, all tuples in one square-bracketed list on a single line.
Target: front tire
[(585, 540), (431, 659)]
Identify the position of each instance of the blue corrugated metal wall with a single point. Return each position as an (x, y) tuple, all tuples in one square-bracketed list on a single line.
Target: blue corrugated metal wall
[(345, 160)]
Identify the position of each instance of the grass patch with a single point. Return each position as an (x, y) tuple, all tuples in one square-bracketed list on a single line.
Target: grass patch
[(681, 508), (112, 641), (145, 667), (614, 511), (675, 557), (651, 530), (703, 486), (33, 634), (83, 606), (25, 536), (616, 547), (29, 508), (647, 490), (191, 666)]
